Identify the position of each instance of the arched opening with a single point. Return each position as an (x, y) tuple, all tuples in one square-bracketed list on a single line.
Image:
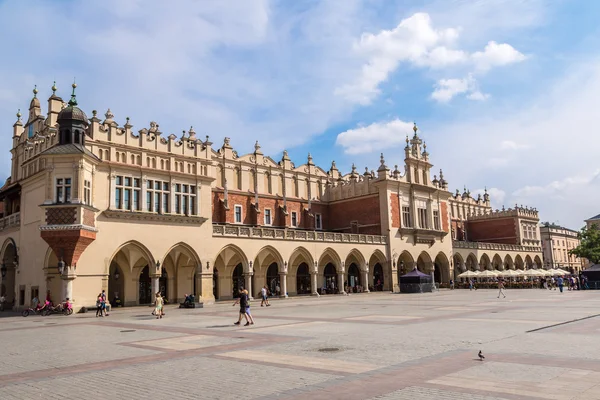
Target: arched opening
[(353, 277), (145, 286), (485, 263), (273, 279), (508, 262), (424, 263), (216, 283), (237, 280), (459, 265), (378, 278), (497, 263), (303, 279), (181, 265), (538, 262), (519, 262), (116, 285), (8, 282), (472, 264), (528, 262), (441, 271), (331, 284)]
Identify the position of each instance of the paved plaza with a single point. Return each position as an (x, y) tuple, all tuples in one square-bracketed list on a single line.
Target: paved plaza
[(538, 344)]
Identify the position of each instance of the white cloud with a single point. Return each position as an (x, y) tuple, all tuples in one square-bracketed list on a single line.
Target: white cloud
[(447, 89), (374, 137), (496, 55), (417, 42), (497, 196), (512, 145)]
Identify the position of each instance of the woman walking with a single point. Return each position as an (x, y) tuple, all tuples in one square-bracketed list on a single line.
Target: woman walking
[(248, 315), (158, 306), (99, 311)]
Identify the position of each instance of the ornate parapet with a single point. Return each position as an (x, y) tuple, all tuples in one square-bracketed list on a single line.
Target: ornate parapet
[(11, 221), (457, 244), (293, 234), (521, 212)]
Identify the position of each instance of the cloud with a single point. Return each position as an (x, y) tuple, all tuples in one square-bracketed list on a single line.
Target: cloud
[(374, 137), (511, 145), (497, 196), (496, 55), (447, 89)]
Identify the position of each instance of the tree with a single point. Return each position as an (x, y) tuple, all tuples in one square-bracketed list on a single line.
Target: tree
[(589, 246)]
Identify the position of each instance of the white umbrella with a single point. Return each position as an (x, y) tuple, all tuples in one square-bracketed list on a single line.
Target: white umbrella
[(510, 272), (533, 272), (487, 274), (468, 274), (557, 272)]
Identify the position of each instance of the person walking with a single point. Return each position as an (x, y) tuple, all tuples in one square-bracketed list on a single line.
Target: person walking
[(264, 294), (451, 284), (501, 288), (99, 306), (560, 283), (250, 320), (243, 302), (158, 306), (104, 309)]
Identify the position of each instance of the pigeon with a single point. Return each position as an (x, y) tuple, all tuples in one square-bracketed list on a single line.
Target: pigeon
[(481, 356)]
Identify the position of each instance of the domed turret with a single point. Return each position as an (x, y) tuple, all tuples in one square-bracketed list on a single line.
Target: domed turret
[(72, 112), (72, 123)]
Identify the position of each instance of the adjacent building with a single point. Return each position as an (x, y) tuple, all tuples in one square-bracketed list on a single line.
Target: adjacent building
[(556, 243), (93, 205)]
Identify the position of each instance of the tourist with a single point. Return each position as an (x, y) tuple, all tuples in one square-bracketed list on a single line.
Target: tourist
[(98, 305), (501, 288), (552, 284), (248, 314), (104, 302), (243, 302), (48, 297), (158, 306), (277, 290), (264, 296), (34, 302), (560, 283), (470, 284), (451, 284)]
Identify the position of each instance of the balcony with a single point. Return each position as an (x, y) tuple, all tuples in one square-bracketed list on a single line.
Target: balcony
[(12, 221), (459, 244), (293, 234)]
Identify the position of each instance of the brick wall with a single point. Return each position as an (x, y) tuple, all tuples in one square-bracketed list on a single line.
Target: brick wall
[(503, 230), (364, 209), (444, 216), (395, 210)]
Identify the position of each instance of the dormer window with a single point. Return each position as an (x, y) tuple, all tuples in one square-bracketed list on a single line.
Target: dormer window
[(63, 190)]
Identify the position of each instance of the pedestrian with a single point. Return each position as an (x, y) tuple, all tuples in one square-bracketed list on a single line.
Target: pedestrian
[(98, 305), (158, 306), (501, 288), (560, 281), (243, 302), (264, 294), (470, 284), (451, 284), (248, 314), (104, 310)]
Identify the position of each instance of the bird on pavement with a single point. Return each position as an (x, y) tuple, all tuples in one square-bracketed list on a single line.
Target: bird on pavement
[(481, 356)]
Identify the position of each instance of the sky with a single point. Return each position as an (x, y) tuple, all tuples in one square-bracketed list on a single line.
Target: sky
[(504, 92)]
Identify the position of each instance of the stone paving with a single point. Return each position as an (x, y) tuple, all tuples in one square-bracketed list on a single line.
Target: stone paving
[(538, 344)]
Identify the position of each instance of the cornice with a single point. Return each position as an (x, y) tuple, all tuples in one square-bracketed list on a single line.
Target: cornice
[(141, 216)]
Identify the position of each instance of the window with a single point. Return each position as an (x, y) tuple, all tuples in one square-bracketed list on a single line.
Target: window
[(424, 177), (238, 214), (87, 192), (185, 199), (294, 219), (267, 216), (422, 215), (416, 176), (318, 221), (157, 196), (406, 217), (436, 220), (63, 190), (127, 193)]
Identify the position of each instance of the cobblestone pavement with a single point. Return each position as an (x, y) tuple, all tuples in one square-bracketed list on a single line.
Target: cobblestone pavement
[(538, 344)]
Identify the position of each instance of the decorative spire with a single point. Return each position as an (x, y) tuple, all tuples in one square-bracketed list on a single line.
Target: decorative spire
[(333, 165), (73, 101), (382, 160), (285, 156), (108, 114), (54, 88), (192, 133), (19, 115), (310, 159), (256, 147), (35, 91), (415, 128)]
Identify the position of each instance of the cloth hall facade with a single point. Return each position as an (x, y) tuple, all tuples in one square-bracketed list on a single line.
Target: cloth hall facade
[(93, 205)]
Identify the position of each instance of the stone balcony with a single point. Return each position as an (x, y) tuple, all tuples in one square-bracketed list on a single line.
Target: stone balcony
[(458, 244), (294, 234), (11, 221)]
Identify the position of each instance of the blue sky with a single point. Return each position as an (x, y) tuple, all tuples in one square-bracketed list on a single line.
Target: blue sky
[(504, 91)]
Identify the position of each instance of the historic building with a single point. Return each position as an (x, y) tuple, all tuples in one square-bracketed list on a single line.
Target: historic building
[(556, 243), (92, 205)]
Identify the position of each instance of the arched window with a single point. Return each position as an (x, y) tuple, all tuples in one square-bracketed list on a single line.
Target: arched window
[(176, 167), (100, 154), (416, 175), (154, 163), (118, 157), (148, 162), (162, 164), (133, 159), (220, 180), (139, 160)]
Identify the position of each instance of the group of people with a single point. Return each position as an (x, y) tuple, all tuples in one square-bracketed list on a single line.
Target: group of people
[(101, 308)]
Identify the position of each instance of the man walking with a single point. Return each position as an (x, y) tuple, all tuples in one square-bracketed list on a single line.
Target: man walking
[(243, 302), (264, 294), (501, 288), (560, 282)]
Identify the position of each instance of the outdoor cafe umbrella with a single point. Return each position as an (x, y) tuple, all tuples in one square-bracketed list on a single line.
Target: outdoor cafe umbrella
[(533, 272), (558, 272), (469, 274), (487, 274), (510, 273)]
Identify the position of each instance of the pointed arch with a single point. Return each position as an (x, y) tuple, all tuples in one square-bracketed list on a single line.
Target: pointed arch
[(329, 255), (497, 263), (528, 261), (519, 262), (538, 262), (132, 244), (8, 242), (230, 256), (484, 262), (357, 257), (266, 256), (299, 255), (405, 263), (508, 262), (441, 268), (472, 263), (424, 262)]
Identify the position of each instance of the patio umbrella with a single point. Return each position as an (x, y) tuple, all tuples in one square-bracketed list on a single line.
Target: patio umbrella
[(559, 271), (510, 273), (533, 272), (468, 274), (487, 274)]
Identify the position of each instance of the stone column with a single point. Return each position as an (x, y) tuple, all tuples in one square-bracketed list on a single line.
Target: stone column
[(113, 205), (248, 283), (395, 287), (341, 275), (366, 278), (283, 279), (68, 277), (314, 281), (155, 287)]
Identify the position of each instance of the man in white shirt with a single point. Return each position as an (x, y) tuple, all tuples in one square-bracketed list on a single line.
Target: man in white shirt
[(265, 297)]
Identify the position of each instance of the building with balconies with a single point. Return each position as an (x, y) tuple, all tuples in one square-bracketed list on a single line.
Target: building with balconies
[(557, 241)]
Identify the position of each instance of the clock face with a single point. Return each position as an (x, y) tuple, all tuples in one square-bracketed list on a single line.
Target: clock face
[(30, 132)]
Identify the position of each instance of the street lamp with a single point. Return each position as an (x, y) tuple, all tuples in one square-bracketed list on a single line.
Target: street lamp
[(3, 271), (116, 275)]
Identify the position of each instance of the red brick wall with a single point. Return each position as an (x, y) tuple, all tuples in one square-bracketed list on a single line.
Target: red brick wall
[(493, 230), (444, 216), (217, 208), (246, 201), (365, 210), (395, 210)]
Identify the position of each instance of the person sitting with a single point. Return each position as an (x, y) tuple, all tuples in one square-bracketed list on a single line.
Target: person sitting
[(188, 302), (117, 301)]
